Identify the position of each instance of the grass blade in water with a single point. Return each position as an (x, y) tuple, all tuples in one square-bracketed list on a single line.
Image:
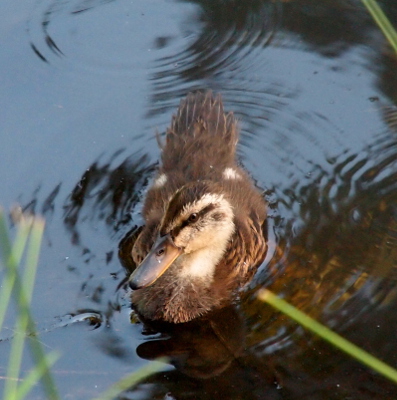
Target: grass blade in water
[(35, 375), (328, 335), (130, 380), (384, 24), (37, 352), (10, 254), (21, 327)]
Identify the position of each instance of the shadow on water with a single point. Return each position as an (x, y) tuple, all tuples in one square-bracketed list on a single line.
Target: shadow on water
[(330, 182)]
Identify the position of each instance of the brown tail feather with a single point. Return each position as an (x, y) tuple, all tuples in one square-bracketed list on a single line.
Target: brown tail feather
[(203, 108)]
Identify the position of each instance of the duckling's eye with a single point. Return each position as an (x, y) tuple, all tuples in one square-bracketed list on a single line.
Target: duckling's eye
[(193, 217)]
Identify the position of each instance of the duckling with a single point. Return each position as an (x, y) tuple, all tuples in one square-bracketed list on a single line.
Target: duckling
[(203, 237)]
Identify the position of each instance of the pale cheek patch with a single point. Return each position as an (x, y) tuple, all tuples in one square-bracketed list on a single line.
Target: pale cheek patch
[(160, 181), (230, 173), (182, 238), (200, 264)]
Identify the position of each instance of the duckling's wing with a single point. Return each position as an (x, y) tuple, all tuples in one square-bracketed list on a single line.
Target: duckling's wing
[(247, 250), (144, 241)]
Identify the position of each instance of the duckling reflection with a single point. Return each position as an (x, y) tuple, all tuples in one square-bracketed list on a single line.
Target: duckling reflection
[(203, 237), (210, 359), (202, 348)]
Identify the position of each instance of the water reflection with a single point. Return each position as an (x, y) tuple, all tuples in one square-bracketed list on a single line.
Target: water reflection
[(210, 357), (328, 27), (227, 42), (203, 348), (343, 235), (107, 193)]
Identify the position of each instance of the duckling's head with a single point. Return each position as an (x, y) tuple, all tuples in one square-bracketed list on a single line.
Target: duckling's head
[(194, 233)]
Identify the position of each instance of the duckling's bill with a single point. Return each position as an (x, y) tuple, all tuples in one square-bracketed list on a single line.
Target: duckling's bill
[(161, 256)]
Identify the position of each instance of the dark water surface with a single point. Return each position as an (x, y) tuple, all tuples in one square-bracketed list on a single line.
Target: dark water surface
[(84, 86)]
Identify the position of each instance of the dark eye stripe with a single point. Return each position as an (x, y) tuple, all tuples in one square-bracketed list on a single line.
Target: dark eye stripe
[(205, 210), (186, 222)]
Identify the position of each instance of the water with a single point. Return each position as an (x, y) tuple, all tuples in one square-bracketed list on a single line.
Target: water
[(86, 84)]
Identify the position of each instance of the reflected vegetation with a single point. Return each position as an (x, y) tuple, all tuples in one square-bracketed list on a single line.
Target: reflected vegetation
[(107, 193), (229, 48), (390, 117)]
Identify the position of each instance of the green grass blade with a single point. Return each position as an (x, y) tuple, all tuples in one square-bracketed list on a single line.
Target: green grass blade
[(5, 242), (35, 375), (37, 352), (39, 357), (16, 353), (130, 380), (32, 256), (328, 335), (14, 361), (384, 24), (11, 254)]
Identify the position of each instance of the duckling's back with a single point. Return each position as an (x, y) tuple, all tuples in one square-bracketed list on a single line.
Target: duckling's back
[(201, 138)]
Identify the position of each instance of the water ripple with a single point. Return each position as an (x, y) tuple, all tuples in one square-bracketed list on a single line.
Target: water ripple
[(225, 41), (340, 264), (93, 35), (45, 15)]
